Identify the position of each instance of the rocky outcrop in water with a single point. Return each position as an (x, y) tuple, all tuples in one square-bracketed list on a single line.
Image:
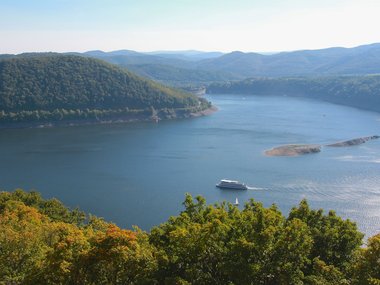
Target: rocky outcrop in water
[(353, 142), (293, 150), (300, 149)]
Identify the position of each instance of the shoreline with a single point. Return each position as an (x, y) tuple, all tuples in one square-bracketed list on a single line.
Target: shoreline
[(177, 114), (281, 94)]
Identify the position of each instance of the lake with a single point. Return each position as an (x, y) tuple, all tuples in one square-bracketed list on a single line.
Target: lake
[(138, 173)]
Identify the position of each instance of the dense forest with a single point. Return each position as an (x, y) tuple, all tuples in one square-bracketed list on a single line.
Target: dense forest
[(356, 91), (175, 76), (52, 87), (44, 242)]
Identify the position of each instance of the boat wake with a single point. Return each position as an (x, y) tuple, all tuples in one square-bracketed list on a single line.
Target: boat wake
[(256, 188)]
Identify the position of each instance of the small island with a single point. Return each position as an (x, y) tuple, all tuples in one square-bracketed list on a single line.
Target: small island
[(353, 142), (293, 150), (300, 149)]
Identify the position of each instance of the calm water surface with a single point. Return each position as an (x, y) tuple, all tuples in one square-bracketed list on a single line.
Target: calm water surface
[(138, 174)]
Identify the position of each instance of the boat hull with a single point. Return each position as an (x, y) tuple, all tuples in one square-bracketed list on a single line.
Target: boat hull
[(232, 187)]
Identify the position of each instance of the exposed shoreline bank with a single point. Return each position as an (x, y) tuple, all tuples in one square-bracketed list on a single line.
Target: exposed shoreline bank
[(176, 114)]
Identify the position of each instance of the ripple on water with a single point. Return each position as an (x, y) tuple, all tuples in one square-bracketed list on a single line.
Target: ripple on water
[(354, 196)]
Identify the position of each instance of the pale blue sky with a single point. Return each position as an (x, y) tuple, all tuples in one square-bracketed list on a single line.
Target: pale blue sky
[(224, 25)]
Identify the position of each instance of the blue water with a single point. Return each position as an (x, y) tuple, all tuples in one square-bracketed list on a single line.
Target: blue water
[(138, 174)]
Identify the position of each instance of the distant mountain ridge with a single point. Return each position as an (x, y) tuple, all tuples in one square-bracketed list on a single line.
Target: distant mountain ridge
[(331, 61), (196, 68), (192, 55), (359, 60)]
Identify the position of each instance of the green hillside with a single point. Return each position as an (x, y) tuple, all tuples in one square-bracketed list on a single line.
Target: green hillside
[(355, 91), (176, 76), (45, 87)]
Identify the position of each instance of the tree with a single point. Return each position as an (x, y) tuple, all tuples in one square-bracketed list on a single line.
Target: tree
[(119, 257), (367, 266), (334, 240), (21, 241)]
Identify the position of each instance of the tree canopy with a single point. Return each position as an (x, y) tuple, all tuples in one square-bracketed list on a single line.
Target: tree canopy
[(44, 242), (43, 87)]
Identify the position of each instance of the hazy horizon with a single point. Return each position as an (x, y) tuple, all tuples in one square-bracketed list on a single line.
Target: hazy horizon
[(154, 52), (225, 26)]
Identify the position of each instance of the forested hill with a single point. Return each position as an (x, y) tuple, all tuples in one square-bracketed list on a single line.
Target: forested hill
[(356, 91), (43, 87)]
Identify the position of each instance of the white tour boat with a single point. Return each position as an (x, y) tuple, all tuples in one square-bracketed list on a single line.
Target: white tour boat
[(231, 184)]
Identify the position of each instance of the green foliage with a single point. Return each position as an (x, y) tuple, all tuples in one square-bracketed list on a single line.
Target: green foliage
[(323, 274), (177, 76), (220, 245), (335, 239), (51, 87), (22, 246), (42, 243), (52, 208), (356, 91), (366, 269)]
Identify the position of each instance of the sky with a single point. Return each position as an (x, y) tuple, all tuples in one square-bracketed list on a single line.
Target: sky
[(207, 25)]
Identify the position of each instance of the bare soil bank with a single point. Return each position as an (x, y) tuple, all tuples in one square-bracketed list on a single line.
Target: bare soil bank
[(175, 114)]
